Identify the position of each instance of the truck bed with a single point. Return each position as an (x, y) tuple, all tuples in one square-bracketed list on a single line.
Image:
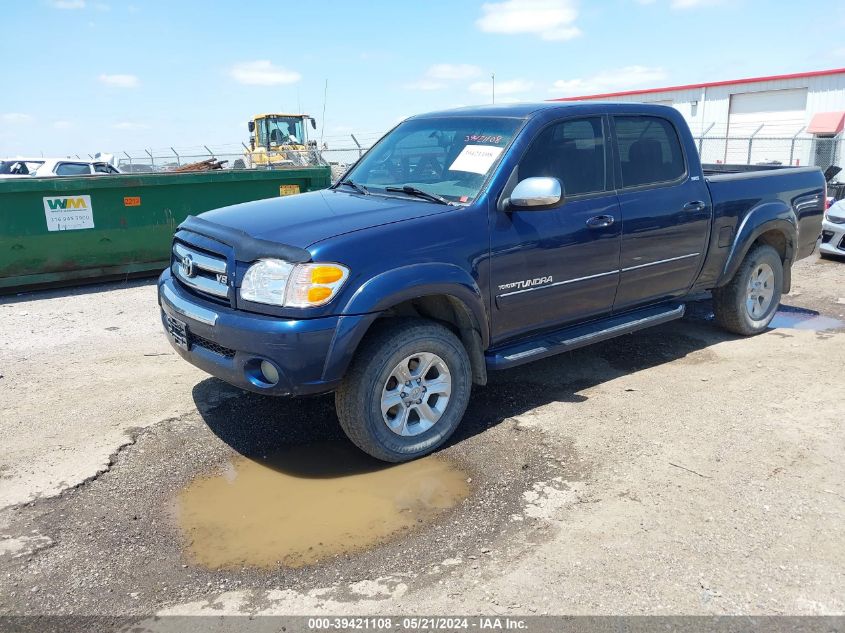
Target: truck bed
[(738, 196), (712, 169)]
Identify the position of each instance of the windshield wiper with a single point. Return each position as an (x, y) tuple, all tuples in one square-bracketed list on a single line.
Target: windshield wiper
[(419, 193), (359, 188)]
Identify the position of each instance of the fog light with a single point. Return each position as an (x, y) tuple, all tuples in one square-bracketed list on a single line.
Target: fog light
[(269, 372)]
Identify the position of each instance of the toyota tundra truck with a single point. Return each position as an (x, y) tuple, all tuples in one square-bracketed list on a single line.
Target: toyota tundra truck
[(474, 240)]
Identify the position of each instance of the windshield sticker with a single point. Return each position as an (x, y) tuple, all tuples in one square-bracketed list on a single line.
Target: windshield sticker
[(483, 138), (476, 159)]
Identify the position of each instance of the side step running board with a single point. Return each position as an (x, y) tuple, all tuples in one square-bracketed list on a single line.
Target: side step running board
[(577, 336)]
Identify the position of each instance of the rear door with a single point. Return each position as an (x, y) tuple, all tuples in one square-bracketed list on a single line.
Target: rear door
[(665, 212), (558, 265)]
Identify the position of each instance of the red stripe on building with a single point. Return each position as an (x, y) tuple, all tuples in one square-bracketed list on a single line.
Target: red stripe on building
[(712, 84)]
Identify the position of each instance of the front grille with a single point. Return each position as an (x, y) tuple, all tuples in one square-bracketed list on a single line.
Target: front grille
[(210, 346), (841, 246), (201, 272)]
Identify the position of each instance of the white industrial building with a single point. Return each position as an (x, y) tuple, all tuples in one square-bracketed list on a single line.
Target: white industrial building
[(792, 119)]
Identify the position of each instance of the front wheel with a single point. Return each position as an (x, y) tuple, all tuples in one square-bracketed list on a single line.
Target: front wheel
[(747, 304), (406, 390)]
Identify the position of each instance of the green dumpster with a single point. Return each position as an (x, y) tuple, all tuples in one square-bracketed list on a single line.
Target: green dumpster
[(59, 230)]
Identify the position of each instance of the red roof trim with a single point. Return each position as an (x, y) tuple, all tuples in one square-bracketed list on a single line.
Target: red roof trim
[(608, 95)]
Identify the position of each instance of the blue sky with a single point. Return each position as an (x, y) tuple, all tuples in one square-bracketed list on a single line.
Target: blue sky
[(81, 76)]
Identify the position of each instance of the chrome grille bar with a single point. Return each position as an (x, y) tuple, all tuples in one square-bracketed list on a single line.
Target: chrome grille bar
[(211, 264)]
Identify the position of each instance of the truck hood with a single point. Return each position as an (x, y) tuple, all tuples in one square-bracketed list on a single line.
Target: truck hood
[(304, 219)]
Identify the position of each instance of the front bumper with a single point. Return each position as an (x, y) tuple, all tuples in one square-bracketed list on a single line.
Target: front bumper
[(310, 355), (833, 238)]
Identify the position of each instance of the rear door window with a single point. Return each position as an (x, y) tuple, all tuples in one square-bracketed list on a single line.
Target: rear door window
[(73, 169), (649, 150)]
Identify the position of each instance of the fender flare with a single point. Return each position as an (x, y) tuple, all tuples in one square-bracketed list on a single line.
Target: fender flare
[(770, 216), (395, 286)]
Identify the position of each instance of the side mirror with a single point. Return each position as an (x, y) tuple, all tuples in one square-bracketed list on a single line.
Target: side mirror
[(313, 123), (251, 126), (532, 193)]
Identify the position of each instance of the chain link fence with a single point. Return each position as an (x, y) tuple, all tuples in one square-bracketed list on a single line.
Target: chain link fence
[(753, 150), (794, 151), (162, 160)]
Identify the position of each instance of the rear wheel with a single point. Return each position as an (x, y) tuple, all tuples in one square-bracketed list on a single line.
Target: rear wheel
[(747, 304), (406, 390)]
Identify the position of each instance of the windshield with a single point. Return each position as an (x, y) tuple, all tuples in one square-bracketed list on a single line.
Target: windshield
[(19, 167), (281, 130), (450, 157)]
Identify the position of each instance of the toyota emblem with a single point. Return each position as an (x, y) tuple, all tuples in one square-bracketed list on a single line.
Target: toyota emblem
[(186, 266)]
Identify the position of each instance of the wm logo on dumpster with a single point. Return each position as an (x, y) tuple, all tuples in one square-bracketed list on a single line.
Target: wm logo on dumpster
[(56, 204), (68, 213)]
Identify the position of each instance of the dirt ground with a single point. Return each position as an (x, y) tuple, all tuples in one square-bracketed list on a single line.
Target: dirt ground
[(680, 470)]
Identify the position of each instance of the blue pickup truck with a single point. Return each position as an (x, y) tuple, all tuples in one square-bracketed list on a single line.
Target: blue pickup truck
[(478, 239)]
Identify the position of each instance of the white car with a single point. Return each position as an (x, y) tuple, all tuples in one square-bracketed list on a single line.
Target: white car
[(833, 230), (40, 167)]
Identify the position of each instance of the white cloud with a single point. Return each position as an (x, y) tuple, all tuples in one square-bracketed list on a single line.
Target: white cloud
[(62, 125), (452, 71), (626, 78), (262, 72), (16, 117), (550, 19), (130, 125), (68, 4), (512, 86), (438, 76), (120, 81)]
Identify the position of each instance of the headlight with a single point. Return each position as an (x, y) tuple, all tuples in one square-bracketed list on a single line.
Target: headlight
[(277, 282)]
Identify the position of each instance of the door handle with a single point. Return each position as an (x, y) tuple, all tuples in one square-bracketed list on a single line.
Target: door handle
[(695, 205), (600, 221)]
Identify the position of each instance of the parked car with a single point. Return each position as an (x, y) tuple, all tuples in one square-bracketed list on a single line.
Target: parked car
[(19, 167), (41, 167), (474, 240), (833, 231)]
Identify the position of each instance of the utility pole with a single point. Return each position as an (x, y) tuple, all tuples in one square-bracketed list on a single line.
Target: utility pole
[(493, 77)]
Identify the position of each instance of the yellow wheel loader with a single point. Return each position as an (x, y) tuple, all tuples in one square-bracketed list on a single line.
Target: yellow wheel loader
[(281, 140)]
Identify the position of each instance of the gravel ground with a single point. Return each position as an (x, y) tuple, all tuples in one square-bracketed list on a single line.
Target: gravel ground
[(680, 470)]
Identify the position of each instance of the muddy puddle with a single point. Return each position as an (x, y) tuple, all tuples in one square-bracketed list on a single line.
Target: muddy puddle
[(798, 319), (309, 503)]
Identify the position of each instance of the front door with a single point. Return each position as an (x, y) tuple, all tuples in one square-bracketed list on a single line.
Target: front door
[(553, 266), (665, 213)]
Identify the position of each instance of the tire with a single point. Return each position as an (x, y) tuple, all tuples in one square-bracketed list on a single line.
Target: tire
[(372, 378), (747, 314)]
